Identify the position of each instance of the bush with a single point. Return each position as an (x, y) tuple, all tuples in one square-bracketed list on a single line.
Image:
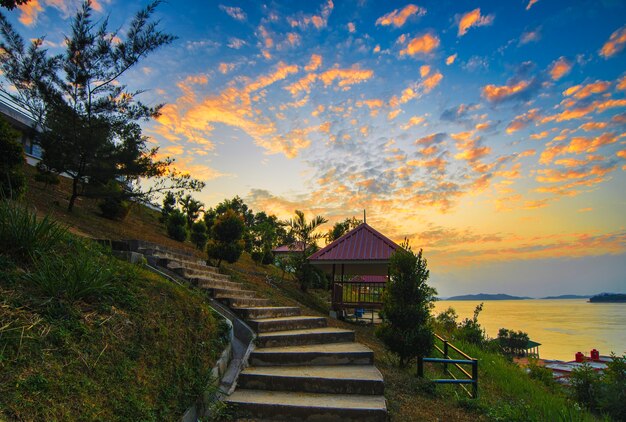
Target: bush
[(12, 179), (227, 243), (23, 236), (199, 234), (541, 373), (447, 319), (512, 342), (406, 327), (177, 226), (469, 330), (46, 176), (585, 383), (114, 208)]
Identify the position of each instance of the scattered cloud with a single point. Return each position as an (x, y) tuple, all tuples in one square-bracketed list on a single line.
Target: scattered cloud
[(522, 121), (473, 19), (533, 35), (451, 59), (314, 63), (560, 68), (531, 3), (423, 44), (318, 21), (615, 43), (236, 13), (514, 89), (399, 17)]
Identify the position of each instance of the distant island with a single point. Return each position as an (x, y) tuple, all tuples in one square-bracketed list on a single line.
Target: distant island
[(568, 297), (608, 298), (485, 296)]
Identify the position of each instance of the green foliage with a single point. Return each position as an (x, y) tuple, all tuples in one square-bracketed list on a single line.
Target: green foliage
[(79, 275), (12, 179), (191, 208), (114, 206), (606, 392), (406, 328), (585, 383), (169, 205), (177, 226), (512, 342), (304, 234), (342, 227), (44, 175), (470, 330), (227, 243), (198, 235), (447, 320), (541, 374), (23, 236)]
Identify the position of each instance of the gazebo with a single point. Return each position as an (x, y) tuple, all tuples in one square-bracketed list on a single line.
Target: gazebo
[(358, 263)]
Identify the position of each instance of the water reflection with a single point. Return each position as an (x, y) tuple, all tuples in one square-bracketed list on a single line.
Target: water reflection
[(563, 327)]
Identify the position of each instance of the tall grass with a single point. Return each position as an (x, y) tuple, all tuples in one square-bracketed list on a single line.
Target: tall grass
[(79, 275), (23, 236)]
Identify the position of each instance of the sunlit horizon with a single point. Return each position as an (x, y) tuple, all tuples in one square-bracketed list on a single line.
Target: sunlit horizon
[(490, 134)]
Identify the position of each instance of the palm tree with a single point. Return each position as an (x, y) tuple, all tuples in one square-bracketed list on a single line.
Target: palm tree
[(304, 234), (191, 207)]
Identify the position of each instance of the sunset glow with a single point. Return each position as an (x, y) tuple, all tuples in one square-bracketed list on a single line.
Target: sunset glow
[(491, 134)]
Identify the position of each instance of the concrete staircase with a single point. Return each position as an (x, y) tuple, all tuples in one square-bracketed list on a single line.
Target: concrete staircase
[(300, 369)]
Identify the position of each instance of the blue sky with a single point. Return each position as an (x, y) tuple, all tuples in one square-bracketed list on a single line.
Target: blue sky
[(489, 133)]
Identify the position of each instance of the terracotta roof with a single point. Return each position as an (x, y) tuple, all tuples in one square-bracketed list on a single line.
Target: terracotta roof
[(294, 247), (360, 244)]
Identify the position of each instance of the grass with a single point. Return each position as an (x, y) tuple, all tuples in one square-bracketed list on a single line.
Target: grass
[(84, 336)]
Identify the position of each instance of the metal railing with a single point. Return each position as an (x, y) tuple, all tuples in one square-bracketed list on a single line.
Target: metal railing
[(464, 378)]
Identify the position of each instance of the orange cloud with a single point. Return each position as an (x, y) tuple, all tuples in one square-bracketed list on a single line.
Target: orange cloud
[(471, 19), (224, 68), (398, 17), (560, 68), (530, 4), (29, 12), (523, 120), (318, 21), (314, 63), (346, 77), (451, 59), (431, 82), (621, 84), (615, 44), (495, 93), (540, 135), (424, 44), (413, 121), (584, 91)]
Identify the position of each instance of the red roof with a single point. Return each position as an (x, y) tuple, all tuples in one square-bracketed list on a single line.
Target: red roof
[(291, 248), (360, 244)]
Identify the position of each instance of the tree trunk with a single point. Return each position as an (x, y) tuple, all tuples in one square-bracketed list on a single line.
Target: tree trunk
[(74, 195)]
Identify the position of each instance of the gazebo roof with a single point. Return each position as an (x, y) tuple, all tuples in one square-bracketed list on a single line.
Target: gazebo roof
[(362, 244), (291, 248)]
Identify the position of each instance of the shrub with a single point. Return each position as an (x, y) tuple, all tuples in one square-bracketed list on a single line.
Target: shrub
[(227, 243), (512, 342), (177, 226), (585, 383), (469, 330), (199, 234), (406, 327), (613, 399), (44, 175), (541, 373), (169, 205), (114, 208), (23, 236), (12, 179), (447, 319)]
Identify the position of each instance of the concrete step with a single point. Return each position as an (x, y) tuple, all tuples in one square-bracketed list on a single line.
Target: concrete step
[(315, 354), (229, 292), (269, 312), (218, 284), (364, 380), (284, 405), (242, 302), (171, 256), (302, 337), (266, 325), (208, 272)]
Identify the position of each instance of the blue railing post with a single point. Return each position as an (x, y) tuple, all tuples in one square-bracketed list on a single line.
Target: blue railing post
[(445, 355), (475, 378)]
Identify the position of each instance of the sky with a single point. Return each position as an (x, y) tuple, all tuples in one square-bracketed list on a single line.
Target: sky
[(490, 134)]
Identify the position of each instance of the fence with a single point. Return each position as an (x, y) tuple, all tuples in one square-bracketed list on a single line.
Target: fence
[(357, 294), (447, 360)]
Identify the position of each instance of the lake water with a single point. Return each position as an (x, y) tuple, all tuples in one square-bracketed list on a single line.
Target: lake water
[(563, 327)]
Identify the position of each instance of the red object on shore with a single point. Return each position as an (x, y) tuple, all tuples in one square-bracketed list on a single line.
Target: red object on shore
[(595, 355), (580, 358)]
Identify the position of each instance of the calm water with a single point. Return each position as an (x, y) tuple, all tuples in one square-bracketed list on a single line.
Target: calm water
[(563, 327)]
